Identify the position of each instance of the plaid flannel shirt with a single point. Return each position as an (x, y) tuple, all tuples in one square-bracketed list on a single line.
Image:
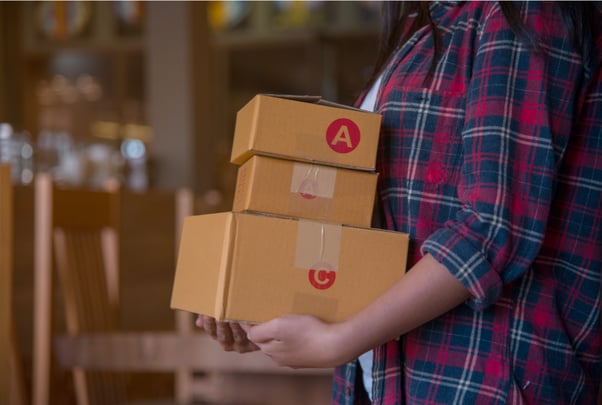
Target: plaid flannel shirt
[(494, 166)]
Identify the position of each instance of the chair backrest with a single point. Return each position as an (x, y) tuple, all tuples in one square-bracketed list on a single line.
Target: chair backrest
[(80, 227), (79, 230), (11, 377)]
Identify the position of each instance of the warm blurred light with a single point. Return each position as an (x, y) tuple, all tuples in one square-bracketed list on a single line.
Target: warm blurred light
[(226, 15), (114, 130), (105, 129)]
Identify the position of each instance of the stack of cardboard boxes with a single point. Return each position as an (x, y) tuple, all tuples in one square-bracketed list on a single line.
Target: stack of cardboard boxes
[(298, 239)]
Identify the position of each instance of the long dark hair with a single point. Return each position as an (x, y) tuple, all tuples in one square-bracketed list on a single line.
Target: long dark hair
[(578, 17)]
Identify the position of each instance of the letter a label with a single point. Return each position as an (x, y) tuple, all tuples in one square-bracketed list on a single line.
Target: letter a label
[(343, 135)]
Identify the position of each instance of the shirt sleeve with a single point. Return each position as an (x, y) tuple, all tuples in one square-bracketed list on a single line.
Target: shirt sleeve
[(518, 118)]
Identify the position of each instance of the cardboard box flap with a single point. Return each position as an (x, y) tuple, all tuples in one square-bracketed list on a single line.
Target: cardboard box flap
[(206, 243), (306, 98), (312, 99), (260, 259), (246, 118)]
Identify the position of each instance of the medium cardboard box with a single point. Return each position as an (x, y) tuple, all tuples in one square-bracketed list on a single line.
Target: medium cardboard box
[(307, 129), (249, 267), (305, 190)]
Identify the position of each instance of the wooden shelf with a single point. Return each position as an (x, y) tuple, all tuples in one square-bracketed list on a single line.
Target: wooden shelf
[(251, 39), (100, 33), (51, 47), (114, 60)]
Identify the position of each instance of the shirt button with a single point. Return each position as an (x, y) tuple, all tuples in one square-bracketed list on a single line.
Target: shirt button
[(348, 391)]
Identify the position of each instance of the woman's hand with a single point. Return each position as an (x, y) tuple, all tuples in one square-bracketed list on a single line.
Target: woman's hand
[(230, 335), (300, 341)]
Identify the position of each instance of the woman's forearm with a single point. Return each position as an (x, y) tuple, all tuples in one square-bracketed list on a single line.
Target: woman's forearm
[(422, 294)]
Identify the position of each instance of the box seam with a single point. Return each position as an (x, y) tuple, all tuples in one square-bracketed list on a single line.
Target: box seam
[(223, 282), (254, 129), (250, 183)]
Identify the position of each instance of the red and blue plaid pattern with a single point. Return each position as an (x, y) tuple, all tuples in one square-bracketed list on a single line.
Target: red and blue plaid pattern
[(494, 166)]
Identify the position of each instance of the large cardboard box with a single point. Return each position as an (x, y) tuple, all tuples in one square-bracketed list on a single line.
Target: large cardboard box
[(249, 267), (306, 129), (305, 190)]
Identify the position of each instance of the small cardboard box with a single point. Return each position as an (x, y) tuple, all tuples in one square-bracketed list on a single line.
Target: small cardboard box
[(249, 267), (307, 129), (305, 190)]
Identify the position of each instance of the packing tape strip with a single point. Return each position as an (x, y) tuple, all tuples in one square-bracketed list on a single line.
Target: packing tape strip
[(315, 304), (313, 181), (312, 189), (318, 244)]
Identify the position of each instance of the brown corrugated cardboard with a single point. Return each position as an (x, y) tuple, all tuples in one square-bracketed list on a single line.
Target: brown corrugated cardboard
[(242, 266), (305, 190), (306, 129)]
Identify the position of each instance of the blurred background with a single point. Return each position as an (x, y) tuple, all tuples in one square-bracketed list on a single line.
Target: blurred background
[(147, 92), (144, 94)]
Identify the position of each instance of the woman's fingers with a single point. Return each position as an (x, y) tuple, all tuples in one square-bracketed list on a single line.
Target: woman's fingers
[(241, 342), (224, 336), (230, 335), (208, 324), (238, 333)]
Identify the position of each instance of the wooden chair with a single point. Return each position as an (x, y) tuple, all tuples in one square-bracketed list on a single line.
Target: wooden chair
[(82, 231), (11, 375), (78, 229), (203, 371)]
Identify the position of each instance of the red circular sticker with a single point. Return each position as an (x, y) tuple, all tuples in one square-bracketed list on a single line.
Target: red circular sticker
[(321, 276), (343, 135), (322, 279)]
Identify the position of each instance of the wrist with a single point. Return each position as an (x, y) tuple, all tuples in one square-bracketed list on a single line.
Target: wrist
[(344, 342)]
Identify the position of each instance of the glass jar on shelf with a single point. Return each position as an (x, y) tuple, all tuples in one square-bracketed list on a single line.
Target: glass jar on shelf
[(16, 149)]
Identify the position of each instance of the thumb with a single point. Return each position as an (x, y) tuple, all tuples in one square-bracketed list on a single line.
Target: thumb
[(260, 333), (246, 326)]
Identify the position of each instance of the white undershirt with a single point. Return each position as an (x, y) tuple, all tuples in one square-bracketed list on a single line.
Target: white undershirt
[(366, 359)]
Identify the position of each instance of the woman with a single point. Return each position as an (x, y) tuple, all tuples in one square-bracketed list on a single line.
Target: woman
[(490, 158)]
